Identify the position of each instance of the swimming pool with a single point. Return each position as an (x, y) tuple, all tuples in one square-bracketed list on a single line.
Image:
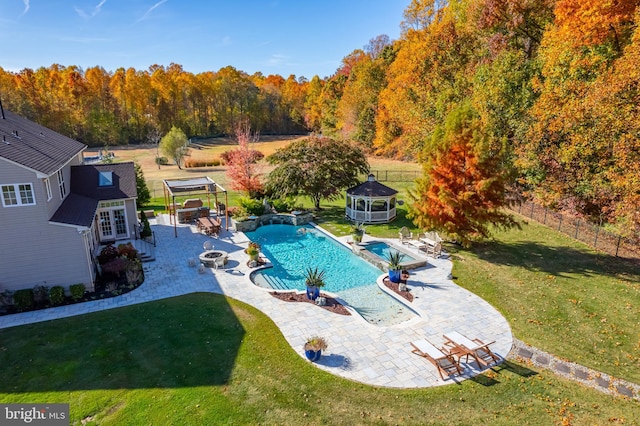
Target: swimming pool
[(377, 252), (292, 249)]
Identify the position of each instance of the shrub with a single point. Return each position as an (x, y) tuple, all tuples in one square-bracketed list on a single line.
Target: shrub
[(107, 254), (235, 211), (6, 298), (162, 161), (254, 156), (56, 295), (127, 250), (252, 206), (116, 266), (41, 295), (209, 162), (23, 299), (146, 226), (282, 205), (77, 291), (134, 273)]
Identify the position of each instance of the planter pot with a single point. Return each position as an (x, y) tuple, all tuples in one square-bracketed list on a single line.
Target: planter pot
[(313, 292), (313, 356), (394, 275)]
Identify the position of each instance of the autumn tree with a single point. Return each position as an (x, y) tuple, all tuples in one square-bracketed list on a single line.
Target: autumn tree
[(320, 168), (174, 145), (463, 190), (242, 169)]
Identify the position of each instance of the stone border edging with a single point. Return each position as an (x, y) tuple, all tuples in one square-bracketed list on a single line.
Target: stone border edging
[(572, 371)]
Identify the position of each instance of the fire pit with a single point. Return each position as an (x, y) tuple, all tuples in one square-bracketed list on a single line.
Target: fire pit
[(213, 258)]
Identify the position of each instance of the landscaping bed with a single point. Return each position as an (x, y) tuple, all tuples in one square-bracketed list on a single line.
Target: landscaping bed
[(332, 304)]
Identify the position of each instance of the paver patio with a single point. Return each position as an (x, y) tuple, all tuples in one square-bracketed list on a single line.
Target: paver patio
[(358, 350)]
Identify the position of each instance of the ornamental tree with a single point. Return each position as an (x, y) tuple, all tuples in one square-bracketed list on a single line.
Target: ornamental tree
[(174, 145), (317, 167), (463, 190), (242, 168)]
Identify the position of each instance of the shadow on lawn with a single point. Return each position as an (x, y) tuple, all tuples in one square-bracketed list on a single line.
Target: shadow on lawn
[(186, 341), (555, 260)]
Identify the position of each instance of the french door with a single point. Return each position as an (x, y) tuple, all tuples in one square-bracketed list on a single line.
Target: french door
[(112, 224)]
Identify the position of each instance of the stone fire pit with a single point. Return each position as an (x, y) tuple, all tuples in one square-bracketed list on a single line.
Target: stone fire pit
[(213, 258)]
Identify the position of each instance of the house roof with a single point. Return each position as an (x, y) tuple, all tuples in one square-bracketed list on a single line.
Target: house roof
[(372, 188), (34, 146), (79, 208)]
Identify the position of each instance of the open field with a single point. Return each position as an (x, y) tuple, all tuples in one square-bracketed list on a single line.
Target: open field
[(204, 359)]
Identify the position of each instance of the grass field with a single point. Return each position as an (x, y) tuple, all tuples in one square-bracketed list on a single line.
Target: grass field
[(203, 359), (206, 359)]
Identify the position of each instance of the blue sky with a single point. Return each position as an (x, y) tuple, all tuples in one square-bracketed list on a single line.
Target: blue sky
[(300, 37)]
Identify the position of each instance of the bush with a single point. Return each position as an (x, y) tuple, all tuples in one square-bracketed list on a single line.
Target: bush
[(41, 295), (6, 298), (23, 299), (116, 266), (254, 156), (146, 226), (282, 205), (162, 161), (210, 162), (107, 254), (56, 295), (77, 291), (127, 250), (252, 206)]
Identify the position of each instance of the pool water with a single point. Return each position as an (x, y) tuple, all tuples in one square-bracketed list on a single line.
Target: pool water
[(383, 249), (293, 249)]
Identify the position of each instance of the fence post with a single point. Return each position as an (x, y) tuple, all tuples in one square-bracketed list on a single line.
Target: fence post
[(618, 245), (544, 220), (595, 241), (560, 224), (577, 226)]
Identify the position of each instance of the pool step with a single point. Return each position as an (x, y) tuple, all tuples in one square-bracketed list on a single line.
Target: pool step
[(274, 282)]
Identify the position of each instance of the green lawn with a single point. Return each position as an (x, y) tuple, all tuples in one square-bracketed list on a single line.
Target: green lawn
[(204, 359)]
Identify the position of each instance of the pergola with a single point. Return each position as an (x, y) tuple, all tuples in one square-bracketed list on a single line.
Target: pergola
[(371, 202), (192, 186)]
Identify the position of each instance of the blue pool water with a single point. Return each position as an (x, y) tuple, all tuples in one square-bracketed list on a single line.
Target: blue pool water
[(383, 249), (292, 250)]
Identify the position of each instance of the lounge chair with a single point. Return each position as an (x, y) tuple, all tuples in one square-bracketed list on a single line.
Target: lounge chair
[(461, 345), (444, 362), (405, 235)]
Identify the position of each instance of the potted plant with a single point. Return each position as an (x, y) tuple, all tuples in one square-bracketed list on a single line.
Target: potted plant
[(395, 259), (313, 348), (253, 251), (357, 231), (314, 279)]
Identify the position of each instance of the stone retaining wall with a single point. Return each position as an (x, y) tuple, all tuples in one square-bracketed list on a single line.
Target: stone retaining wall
[(603, 382)]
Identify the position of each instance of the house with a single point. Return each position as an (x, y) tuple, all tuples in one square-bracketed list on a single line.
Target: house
[(55, 212)]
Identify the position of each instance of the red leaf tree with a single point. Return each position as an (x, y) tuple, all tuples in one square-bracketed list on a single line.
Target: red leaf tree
[(242, 169), (463, 190)]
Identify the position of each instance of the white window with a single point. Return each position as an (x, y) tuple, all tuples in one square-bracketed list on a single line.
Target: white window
[(105, 179), (47, 185), (18, 194), (63, 189)]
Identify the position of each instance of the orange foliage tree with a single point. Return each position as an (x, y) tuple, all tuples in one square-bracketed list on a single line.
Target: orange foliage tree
[(463, 188), (242, 168)]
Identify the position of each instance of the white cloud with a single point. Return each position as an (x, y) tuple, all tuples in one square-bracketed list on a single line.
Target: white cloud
[(151, 9), (93, 13), (27, 6)]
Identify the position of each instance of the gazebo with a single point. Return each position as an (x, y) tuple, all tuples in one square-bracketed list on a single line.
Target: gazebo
[(371, 202), (190, 187)]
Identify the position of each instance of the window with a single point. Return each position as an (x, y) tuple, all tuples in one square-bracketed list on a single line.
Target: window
[(63, 189), (19, 194), (47, 185), (105, 179)]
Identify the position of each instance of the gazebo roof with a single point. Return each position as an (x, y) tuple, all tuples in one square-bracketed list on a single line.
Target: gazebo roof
[(372, 188)]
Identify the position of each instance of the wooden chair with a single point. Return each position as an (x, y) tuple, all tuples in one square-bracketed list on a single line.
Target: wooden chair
[(476, 348), (444, 362), (405, 235)]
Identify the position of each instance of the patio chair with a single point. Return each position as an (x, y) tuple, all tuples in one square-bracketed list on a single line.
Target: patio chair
[(476, 348), (405, 235), (444, 362)]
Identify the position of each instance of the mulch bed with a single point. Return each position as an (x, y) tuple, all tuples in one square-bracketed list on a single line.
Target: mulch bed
[(332, 304), (394, 286)]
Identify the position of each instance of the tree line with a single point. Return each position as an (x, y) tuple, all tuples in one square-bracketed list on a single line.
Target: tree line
[(491, 96)]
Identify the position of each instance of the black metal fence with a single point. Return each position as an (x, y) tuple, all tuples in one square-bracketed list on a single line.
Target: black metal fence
[(593, 235), (396, 175)]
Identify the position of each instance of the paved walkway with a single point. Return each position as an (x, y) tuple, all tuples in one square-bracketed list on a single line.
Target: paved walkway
[(358, 350)]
